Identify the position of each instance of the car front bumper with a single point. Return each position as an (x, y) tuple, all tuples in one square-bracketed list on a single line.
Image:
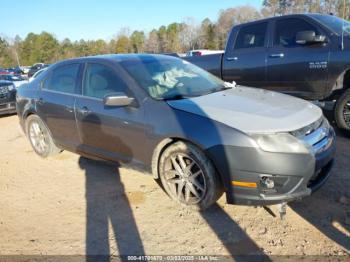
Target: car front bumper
[(8, 103), (294, 175)]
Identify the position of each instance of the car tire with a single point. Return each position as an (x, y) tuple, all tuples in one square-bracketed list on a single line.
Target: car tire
[(189, 177), (40, 137), (342, 111)]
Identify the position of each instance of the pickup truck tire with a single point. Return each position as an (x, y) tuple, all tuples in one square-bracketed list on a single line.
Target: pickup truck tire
[(40, 137), (189, 177), (342, 111)]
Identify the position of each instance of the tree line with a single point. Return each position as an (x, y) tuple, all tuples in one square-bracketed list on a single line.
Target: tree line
[(175, 37)]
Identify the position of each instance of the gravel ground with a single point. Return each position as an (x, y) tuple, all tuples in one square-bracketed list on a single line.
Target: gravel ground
[(68, 205)]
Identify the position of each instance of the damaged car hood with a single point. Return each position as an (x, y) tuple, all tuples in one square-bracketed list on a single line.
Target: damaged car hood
[(252, 110)]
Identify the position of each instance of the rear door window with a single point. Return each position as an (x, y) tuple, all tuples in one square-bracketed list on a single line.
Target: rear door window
[(251, 36), (63, 79)]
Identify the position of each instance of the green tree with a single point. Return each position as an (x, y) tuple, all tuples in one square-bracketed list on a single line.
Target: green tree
[(172, 36), (39, 48), (137, 41), (6, 60), (122, 45), (162, 39), (208, 38), (152, 42), (343, 9), (66, 49), (47, 47)]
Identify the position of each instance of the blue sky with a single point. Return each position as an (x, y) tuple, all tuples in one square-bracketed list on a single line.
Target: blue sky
[(94, 19)]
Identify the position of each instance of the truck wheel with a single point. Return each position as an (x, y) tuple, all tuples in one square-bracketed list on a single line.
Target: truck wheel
[(40, 137), (342, 111), (188, 176)]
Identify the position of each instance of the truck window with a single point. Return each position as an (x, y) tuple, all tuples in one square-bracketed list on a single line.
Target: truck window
[(251, 36), (287, 29)]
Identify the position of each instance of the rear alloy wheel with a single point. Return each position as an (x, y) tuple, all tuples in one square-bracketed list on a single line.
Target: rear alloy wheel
[(342, 111), (188, 176), (40, 138)]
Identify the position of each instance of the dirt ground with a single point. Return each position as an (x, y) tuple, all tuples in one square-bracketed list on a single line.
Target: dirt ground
[(68, 205)]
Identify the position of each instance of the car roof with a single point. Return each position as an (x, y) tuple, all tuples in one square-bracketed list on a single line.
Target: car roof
[(284, 16), (117, 58)]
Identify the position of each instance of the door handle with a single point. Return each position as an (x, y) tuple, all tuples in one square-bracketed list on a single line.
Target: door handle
[(69, 109), (280, 55), (84, 110), (232, 58)]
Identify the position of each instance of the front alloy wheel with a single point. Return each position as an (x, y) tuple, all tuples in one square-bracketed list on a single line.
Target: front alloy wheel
[(185, 179), (188, 176)]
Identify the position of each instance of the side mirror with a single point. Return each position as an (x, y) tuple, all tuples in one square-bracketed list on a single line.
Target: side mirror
[(117, 99), (309, 37)]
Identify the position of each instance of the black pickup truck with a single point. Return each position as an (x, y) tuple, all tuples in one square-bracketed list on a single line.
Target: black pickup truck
[(305, 55)]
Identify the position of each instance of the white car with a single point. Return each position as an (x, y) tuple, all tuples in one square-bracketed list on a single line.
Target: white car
[(202, 52)]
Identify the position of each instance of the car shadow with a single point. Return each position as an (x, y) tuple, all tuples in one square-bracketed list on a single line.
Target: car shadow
[(109, 216), (7, 115), (239, 245), (329, 209), (107, 207)]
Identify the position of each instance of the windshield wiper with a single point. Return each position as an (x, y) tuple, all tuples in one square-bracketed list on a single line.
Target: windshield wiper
[(225, 88), (211, 91), (215, 90)]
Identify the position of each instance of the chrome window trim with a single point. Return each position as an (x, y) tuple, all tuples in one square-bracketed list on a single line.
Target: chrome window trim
[(71, 94)]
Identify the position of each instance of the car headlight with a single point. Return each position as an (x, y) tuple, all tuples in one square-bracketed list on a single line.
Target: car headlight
[(11, 87), (280, 143)]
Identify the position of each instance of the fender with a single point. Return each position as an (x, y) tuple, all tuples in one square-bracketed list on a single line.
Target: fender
[(156, 154), (340, 85)]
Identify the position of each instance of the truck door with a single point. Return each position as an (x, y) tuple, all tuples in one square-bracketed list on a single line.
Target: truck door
[(296, 69), (245, 58)]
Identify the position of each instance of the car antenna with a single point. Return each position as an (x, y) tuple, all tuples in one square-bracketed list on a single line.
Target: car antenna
[(343, 29)]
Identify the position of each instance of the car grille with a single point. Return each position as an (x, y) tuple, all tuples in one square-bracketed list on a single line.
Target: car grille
[(316, 135), (4, 90), (302, 132)]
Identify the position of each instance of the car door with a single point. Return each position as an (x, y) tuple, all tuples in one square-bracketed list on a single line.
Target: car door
[(245, 58), (116, 133), (55, 103), (300, 70)]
